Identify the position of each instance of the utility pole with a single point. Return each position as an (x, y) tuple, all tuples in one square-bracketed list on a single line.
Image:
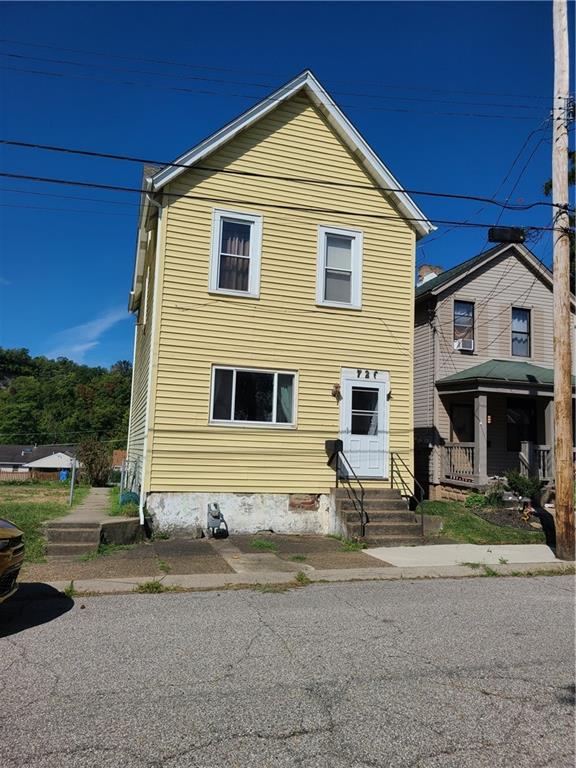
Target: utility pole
[(564, 466)]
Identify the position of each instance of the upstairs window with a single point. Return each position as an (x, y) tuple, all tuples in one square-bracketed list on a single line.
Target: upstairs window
[(464, 325), (520, 332), (235, 263), (253, 396), (339, 279)]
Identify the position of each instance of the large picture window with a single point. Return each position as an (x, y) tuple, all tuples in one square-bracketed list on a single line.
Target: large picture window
[(339, 280), (236, 243), (520, 332), (253, 396)]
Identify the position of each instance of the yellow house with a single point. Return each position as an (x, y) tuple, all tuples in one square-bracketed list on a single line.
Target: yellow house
[(274, 295)]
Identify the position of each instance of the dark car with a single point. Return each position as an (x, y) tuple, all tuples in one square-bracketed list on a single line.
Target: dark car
[(11, 557)]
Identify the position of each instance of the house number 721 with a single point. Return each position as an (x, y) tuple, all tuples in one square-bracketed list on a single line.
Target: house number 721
[(364, 373)]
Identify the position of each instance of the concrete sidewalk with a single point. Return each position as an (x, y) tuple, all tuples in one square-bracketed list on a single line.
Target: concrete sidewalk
[(457, 554), (215, 581)]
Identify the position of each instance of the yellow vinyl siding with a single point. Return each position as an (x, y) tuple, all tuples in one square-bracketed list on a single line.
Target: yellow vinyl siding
[(142, 362), (283, 329)]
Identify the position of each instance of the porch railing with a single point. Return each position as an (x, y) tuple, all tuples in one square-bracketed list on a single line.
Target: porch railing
[(458, 461), (338, 461), (538, 460)]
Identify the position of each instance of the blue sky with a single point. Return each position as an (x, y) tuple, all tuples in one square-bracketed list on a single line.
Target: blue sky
[(66, 263)]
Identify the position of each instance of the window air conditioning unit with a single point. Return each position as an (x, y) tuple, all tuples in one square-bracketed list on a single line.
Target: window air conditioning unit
[(467, 345)]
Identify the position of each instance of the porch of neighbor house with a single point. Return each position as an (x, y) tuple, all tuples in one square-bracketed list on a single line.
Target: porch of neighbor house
[(495, 417)]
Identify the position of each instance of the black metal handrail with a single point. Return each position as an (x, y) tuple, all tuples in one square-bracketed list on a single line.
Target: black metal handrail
[(403, 486), (337, 461)]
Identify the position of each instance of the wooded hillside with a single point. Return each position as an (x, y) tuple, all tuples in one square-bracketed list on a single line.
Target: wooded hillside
[(59, 401)]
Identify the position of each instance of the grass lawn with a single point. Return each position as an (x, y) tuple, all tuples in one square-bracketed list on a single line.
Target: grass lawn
[(462, 525), (126, 510), (28, 505)]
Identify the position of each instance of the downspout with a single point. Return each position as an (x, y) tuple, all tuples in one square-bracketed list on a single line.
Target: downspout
[(153, 315)]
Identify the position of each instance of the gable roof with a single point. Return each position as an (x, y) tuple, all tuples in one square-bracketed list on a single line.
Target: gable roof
[(467, 268), (307, 83), (57, 460), (22, 454)]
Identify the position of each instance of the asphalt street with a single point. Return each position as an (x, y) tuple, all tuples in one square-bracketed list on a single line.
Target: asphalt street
[(435, 674)]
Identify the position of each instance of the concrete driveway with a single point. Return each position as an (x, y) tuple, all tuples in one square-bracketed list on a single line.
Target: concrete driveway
[(435, 674)]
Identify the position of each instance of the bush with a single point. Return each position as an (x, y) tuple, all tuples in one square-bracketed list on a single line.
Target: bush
[(523, 486), (495, 494), (475, 501)]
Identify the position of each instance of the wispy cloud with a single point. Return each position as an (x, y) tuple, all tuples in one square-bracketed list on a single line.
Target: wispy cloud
[(3, 281), (75, 342)]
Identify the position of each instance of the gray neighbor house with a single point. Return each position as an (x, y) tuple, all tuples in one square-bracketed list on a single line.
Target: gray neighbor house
[(483, 371)]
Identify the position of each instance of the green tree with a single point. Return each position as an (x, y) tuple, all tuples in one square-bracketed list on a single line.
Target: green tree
[(60, 401)]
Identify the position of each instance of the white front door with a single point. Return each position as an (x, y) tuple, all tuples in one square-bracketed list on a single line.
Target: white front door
[(364, 428)]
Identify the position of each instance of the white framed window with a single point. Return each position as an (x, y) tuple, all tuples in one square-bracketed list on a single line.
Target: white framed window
[(252, 396), (339, 278), (235, 258)]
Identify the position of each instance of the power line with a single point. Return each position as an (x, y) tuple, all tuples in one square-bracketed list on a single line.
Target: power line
[(199, 78), (69, 197), (255, 97), (542, 127), (187, 65), (255, 174), (236, 201), (62, 210)]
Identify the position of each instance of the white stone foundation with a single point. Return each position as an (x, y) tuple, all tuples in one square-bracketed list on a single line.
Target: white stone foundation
[(186, 513)]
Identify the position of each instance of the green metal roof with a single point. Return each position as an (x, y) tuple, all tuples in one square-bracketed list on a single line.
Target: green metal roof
[(504, 370), (453, 272)]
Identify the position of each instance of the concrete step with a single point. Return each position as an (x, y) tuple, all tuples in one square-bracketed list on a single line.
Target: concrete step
[(378, 516), (393, 541), (387, 529), (371, 493), (383, 505), (73, 535), (72, 524), (68, 550)]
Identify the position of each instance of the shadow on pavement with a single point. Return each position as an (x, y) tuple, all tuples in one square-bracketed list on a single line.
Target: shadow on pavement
[(33, 604)]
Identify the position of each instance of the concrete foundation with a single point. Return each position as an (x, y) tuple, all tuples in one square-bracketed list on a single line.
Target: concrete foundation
[(186, 513)]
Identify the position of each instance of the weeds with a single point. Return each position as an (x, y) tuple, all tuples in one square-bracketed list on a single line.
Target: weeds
[(348, 545), (70, 590), (298, 558), (502, 560), (488, 571), (302, 579), (163, 565), (474, 566), (154, 587), (264, 545), (104, 550)]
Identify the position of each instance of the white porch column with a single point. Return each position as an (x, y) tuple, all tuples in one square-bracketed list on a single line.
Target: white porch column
[(481, 438)]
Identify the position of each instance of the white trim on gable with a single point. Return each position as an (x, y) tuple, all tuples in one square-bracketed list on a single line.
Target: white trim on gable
[(337, 120)]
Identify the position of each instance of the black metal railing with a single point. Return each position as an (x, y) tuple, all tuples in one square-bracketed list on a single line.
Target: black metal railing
[(344, 474), (415, 495)]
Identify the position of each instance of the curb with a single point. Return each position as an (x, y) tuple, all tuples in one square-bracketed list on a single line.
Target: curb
[(212, 581)]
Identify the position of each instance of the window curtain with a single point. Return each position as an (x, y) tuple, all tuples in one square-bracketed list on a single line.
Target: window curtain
[(235, 256), (284, 399)]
